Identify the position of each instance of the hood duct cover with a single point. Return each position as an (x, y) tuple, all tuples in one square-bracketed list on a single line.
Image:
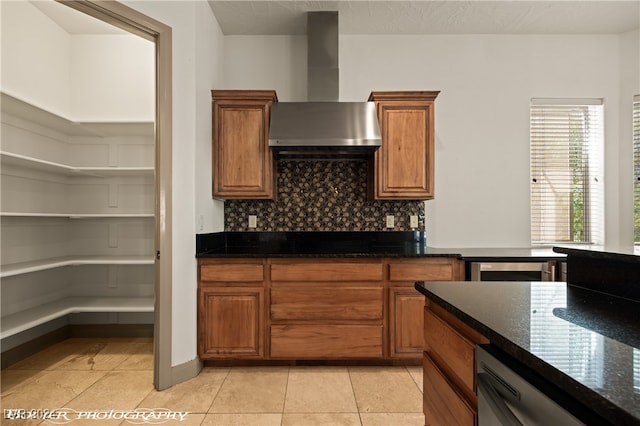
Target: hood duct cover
[(323, 127)]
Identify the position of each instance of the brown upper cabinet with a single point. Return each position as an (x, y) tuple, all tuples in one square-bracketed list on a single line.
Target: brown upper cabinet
[(243, 166), (403, 165)]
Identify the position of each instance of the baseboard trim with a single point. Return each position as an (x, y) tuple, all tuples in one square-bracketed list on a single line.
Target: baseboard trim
[(185, 371), (372, 362), (24, 350), (110, 330)]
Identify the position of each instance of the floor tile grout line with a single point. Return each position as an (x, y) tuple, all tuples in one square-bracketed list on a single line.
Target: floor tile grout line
[(284, 401), (353, 391), (213, 400)]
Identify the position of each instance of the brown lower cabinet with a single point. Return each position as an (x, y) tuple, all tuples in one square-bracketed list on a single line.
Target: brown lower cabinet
[(324, 309), (233, 318), (406, 338), (449, 374), (231, 300)]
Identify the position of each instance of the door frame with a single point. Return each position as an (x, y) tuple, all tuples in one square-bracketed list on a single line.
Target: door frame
[(130, 20)]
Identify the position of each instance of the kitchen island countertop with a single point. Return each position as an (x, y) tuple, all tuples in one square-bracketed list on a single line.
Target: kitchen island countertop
[(586, 343)]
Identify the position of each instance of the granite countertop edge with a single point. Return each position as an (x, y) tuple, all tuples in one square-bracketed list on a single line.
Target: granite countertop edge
[(596, 402), (352, 244), (398, 254)]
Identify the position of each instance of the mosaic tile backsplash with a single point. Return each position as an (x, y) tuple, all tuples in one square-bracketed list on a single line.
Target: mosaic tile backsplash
[(321, 196)]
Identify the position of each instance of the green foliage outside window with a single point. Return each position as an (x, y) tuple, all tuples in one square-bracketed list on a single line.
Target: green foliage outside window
[(577, 190)]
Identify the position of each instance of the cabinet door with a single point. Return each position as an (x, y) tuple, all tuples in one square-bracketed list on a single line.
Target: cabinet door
[(406, 304), (404, 163), (243, 167), (406, 334), (230, 322)]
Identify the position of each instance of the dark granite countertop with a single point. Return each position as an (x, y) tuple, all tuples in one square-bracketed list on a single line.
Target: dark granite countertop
[(506, 254), (350, 244), (624, 254), (584, 342), (316, 244)]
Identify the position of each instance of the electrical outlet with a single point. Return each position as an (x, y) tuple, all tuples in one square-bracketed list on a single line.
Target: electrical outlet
[(253, 221), (201, 223), (390, 221), (413, 221)]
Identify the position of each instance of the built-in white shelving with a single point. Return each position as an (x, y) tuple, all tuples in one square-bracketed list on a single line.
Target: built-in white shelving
[(78, 215), (59, 262), (29, 318), (82, 190), (11, 159)]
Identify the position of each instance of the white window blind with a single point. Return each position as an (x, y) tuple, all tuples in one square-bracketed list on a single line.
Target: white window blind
[(636, 370), (636, 167), (567, 141)]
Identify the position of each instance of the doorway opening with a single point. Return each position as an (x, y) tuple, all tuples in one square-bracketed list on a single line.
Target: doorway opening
[(93, 236)]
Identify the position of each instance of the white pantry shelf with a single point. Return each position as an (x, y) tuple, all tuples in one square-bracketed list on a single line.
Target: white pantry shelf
[(19, 160), (23, 109), (29, 318), (59, 262), (78, 215)]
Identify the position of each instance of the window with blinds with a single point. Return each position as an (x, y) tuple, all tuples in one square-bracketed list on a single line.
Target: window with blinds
[(636, 370), (567, 193), (636, 167)]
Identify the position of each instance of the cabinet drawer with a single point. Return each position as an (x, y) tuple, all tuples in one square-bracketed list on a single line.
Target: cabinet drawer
[(423, 271), (326, 303), (454, 351), (326, 341), (239, 272), (326, 271), (443, 405)]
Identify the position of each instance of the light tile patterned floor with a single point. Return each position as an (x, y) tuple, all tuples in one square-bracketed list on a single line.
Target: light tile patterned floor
[(100, 375)]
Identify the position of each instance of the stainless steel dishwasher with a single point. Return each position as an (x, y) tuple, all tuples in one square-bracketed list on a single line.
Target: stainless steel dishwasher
[(506, 399)]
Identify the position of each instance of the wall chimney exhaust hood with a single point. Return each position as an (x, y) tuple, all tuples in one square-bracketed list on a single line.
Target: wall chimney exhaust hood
[(323, 127)]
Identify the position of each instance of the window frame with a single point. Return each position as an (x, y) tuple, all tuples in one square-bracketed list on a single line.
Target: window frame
[(566, 171)]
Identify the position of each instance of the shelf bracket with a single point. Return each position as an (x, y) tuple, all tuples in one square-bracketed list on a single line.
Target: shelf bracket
[(113, 194), (113, 235), (112, 277)]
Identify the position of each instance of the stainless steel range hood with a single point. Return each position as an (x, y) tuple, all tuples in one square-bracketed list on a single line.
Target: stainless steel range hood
[(323, 127)]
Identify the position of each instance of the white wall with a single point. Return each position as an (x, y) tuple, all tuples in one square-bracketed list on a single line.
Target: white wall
[(267, 62), (36, 58), (113, 78), (83, 78), (195, 63), (210, 54), (482, 112), (621, 223)]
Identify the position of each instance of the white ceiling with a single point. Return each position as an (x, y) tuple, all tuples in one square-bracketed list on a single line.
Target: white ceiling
[(273, 17), (432, 17)]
